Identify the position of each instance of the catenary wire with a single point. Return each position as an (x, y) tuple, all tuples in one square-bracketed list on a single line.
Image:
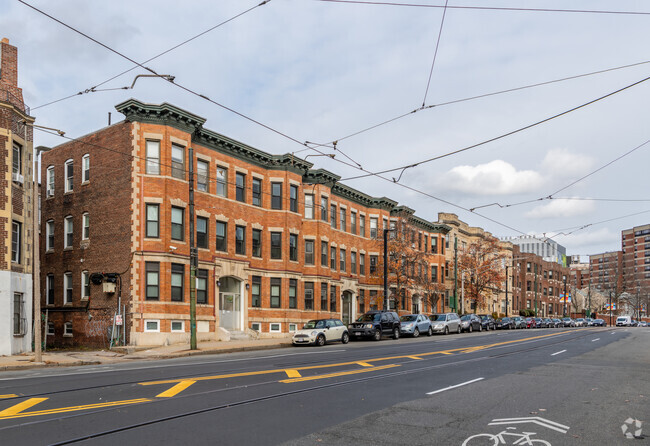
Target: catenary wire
[(504, 135), (94, 89), (485, 95), (486, 8), (435, 53)]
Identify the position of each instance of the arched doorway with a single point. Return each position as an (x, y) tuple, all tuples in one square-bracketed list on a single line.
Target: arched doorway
[(230, 303), (346, 307)]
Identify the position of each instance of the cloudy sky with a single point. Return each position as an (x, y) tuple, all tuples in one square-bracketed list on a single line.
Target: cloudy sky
[(320, 71)]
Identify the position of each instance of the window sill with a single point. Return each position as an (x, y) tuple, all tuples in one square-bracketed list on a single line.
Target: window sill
[(153, 239), (277, 260), (84, 299), (19, 335), (49, 251), (180, 242), (68, 248), (67, 335), (68, 192), (85, 183)]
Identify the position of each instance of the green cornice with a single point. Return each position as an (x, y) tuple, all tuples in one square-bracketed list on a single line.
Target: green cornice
[(354, 195), (164, 114), (397, 210), (320, 176), (429, 226)]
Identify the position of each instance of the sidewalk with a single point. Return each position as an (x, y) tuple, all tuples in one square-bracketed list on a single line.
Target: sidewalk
[(141, 353)]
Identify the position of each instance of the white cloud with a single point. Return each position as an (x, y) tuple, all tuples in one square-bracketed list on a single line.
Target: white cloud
[(600, 237), (561, 208), (494, 178), (562, 163)]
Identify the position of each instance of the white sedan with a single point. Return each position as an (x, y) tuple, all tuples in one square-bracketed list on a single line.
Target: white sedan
[(321, 331)]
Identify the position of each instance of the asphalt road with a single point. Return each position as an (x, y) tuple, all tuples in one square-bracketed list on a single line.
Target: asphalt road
[(564, 386)]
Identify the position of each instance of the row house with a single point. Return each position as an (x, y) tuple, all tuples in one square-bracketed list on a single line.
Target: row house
[(278, 243), (16, 203)]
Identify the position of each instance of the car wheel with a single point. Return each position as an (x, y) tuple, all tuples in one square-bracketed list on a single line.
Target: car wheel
[(396, 333), (470, 329), (320, 340), (446, 330), (430, 332), (480, 328), (377, 335), (416, 332), (345, 338), (458, 329)]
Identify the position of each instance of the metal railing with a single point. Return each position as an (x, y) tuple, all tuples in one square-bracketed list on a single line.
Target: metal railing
[(7, 96)]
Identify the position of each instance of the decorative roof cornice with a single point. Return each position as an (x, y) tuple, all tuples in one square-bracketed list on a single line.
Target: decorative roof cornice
[(165, 114), (320, 176), (397, 210), (356, 196), (429, 226)]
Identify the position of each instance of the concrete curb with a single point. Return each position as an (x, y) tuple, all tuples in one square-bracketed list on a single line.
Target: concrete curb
[(47, 365)]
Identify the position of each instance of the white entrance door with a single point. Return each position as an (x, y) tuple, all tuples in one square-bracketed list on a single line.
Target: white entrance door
[(229, 311)]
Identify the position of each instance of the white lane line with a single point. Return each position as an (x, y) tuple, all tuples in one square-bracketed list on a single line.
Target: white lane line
[(594, 340), (453, 387), (557, 353)]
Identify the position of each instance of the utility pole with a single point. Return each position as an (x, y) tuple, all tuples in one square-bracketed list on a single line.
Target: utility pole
[(565, 296), (588, 302), (193, 256), (610, 307), (455, 306), (462, 290), (506, 290), (36, 271), (535, 272), (386, 268)]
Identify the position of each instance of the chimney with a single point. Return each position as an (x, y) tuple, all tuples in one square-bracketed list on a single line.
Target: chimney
[(9, 64)]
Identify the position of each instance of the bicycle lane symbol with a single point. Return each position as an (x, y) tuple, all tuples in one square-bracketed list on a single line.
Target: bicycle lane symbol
[(510, 434)]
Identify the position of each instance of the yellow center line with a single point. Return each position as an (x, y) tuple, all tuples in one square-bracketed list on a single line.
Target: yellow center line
[(293, 373), (178, 388), (74, 408), (11, 395), (414, 357), (13, 410), (333, 375), (366, 363)]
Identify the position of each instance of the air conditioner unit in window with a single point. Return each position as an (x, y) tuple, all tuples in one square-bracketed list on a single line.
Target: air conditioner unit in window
[(50, 193), (18, 178)]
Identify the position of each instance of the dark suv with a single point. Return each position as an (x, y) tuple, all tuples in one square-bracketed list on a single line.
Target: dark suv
[(374, 324)]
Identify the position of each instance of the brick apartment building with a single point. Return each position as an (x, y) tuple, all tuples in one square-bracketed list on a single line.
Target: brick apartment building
[(541, 285), (606, 271), (636, 258), (16, 199), (278, 242)]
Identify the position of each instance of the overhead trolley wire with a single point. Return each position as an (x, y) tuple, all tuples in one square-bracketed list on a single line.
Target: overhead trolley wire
[(433, 62)]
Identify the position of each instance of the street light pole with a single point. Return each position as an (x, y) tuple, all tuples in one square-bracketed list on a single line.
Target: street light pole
[(565, 296), (506, 290), (386, 230)]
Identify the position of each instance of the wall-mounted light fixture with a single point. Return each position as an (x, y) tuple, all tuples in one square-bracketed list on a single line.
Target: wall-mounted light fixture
[(248, 286), (218, 282)]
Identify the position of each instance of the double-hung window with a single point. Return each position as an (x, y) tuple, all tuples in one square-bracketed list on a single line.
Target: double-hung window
[(323, 254), (67, 288), (309, 206), (309, 252), (276, 245), (256, 292), (152, 279), (333, 298), (153, 157), (353, 222), (153, 221), (257, 192), (178, 271), (342, 219), (178, 161), (201, 286), (362, 264), (293, 198), (202, 175), (323, 208), (309, 295), (202, 232), (293, 293), (85, 168), (256, 245), (69, 234), (69, 175), (85, 285), (222, 236), (240, 187), (333, 258), (50, 181), (323, 296), (50, 289), (17, 160), (362, 225), (276, 195), (222, 181), (276, 292), (240, 240), (293, 247), (373, 227), (353, 262), (178, 223), (342, 260), (49, 234), (16, 241), (85, 226), (333, 216)]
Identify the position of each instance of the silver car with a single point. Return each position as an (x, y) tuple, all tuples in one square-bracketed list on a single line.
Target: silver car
[(445, 323), (415, 324)]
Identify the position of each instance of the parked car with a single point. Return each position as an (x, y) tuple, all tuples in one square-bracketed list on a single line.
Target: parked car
[(568, 322), (505, 323), (634, 323), (375, 324), (414, 324), (530, 322), (445, 323), (548, 322), (623, 321), (643, 324), (539, 323), (321, 331), (557, 322), (600, 323), (589, 322), (487, 322), (520, 322), (470, 322), (580, 322)]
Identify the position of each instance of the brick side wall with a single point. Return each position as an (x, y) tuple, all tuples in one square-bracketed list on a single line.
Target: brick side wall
[(105, 198)]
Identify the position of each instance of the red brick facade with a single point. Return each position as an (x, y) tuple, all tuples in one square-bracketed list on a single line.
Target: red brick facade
[(137, 202)]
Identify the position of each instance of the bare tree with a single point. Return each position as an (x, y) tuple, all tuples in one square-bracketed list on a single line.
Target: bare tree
[(482, 262)]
